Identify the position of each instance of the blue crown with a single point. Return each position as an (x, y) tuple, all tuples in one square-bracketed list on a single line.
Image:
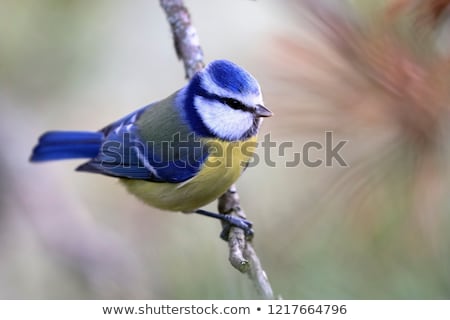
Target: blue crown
[(228, 75)]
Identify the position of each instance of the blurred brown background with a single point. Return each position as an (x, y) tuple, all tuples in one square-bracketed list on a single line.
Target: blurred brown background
[(373, 72)]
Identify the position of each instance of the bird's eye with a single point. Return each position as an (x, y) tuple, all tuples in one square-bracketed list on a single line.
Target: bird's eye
[(233, 103)]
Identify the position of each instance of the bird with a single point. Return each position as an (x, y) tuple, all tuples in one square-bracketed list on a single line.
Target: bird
[(180, 153)]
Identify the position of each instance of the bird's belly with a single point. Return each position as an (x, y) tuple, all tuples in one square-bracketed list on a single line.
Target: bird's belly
[(222, 168)]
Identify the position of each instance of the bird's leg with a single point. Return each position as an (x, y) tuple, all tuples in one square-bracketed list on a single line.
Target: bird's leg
[(229, 221)]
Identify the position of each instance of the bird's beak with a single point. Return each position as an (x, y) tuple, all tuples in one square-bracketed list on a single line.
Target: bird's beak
[(262, 112)]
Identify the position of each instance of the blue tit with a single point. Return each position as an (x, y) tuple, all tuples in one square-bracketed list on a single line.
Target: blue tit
[(180, 153)]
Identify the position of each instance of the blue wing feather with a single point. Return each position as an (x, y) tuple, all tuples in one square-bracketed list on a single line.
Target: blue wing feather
[(125, 154), (121, 153)]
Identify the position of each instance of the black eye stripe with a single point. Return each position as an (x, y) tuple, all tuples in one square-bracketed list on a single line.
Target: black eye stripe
[(235, 104), (231, 102)]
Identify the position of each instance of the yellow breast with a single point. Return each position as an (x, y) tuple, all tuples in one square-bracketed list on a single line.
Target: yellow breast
[(222, 168)]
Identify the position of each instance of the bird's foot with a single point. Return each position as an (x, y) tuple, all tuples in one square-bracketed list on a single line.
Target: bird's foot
[(230, 221)]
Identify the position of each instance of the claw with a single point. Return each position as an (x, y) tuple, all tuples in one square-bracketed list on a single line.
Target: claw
[(238, 222), (225, 234), (229, 222)]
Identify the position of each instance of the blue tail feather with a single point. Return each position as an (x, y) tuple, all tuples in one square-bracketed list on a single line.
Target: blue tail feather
[(57, 145)]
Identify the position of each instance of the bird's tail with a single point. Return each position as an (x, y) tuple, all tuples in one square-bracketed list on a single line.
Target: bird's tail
[(57, 145)]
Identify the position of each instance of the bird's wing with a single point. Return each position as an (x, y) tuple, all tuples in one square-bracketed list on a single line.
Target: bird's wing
[(125, 154)]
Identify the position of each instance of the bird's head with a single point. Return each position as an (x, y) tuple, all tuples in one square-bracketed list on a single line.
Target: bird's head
[(224, 101)]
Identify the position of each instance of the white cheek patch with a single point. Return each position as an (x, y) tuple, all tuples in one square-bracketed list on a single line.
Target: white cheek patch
[(209, 85), (226, 123)]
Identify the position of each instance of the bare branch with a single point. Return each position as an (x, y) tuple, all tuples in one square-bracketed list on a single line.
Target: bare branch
[(242, 256), (185, 37)]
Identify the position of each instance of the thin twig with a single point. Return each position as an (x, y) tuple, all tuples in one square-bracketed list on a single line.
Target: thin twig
[(242, 255), (185, 37)]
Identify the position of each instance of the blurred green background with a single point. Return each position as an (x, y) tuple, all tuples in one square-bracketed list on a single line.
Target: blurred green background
[(377, 229)]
